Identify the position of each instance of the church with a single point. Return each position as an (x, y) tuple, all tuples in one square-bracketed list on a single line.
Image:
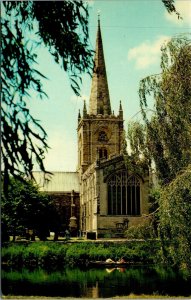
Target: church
[(111, 190)]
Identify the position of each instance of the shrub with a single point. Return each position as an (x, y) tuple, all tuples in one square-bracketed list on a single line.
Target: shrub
[(52, 254), (143, 231), (75, 254), (13, 254), (99, 252)]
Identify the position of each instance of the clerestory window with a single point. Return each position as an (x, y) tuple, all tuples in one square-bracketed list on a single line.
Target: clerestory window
[(123, 194)]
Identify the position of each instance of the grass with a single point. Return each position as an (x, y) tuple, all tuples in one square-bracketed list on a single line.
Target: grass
[(57, 254)]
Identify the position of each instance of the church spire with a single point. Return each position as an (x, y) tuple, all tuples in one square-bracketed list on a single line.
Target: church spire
[(99, 98)]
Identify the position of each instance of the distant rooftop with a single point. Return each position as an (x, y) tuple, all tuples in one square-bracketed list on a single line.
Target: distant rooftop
[(58, 182)]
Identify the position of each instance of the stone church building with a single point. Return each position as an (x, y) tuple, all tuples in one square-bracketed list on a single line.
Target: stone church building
[(113, 192)]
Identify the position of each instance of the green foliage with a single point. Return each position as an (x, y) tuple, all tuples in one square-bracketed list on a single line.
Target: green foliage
[(76, 254), (154, 196), (169, 130), (62, 27), (137, 137), (143, 231), (168, 142), (13, 254), (25, 207), (139, 159), (35, 254), (100, 252), (54, 254), (136, 165), (23, 138), (59, 27), (170, 6), (175, 220)]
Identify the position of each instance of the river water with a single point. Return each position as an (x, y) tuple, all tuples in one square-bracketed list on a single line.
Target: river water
[(95, 283)]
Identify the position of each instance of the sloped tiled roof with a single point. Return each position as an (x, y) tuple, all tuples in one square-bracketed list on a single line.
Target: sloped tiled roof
[(58, 181)]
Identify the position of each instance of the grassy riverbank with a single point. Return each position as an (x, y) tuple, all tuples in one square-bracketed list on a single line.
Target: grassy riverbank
[(56, 254)]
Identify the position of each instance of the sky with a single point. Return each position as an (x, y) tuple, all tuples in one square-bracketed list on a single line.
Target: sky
[(132, 32)]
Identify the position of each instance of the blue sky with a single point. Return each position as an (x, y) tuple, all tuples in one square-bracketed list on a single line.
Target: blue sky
[(132, 32)]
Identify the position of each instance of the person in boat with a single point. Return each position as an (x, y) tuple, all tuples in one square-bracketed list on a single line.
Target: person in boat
[(121, 261)]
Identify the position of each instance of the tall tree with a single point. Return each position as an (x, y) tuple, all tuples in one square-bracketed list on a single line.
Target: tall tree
[(169, 130), (62, 26), (25, 206), (169, 144)]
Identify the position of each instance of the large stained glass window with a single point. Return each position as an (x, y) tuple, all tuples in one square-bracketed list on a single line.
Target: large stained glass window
[(123, 194)]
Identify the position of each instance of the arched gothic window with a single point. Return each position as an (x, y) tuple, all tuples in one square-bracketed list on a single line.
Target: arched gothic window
[(123, 194)]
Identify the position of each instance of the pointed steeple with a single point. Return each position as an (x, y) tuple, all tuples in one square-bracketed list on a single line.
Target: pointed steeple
[(99, 98)]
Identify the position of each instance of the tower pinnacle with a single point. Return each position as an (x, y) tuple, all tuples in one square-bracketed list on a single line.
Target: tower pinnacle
[(120, 110), (84, 109), (99, 98)]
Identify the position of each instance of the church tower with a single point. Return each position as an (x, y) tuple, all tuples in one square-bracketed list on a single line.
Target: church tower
[(113, 185), (112, 194), (100, 132)]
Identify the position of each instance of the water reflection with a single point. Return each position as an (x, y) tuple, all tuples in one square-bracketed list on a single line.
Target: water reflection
[(95, 283)]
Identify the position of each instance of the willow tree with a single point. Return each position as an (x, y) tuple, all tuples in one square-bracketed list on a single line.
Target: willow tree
[(169, 145), (62, 27), (169, 129), (175, 221), (137, 139)]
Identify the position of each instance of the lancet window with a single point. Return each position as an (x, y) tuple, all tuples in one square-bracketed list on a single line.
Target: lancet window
[(123, 194)]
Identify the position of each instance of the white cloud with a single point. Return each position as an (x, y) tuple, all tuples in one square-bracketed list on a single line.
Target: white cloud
[(147, 53), (184, 8)]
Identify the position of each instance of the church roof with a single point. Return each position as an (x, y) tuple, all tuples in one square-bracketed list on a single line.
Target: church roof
[(99, 98), (58, 182)]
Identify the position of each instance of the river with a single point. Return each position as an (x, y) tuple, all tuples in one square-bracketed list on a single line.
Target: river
[(95, 283)]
